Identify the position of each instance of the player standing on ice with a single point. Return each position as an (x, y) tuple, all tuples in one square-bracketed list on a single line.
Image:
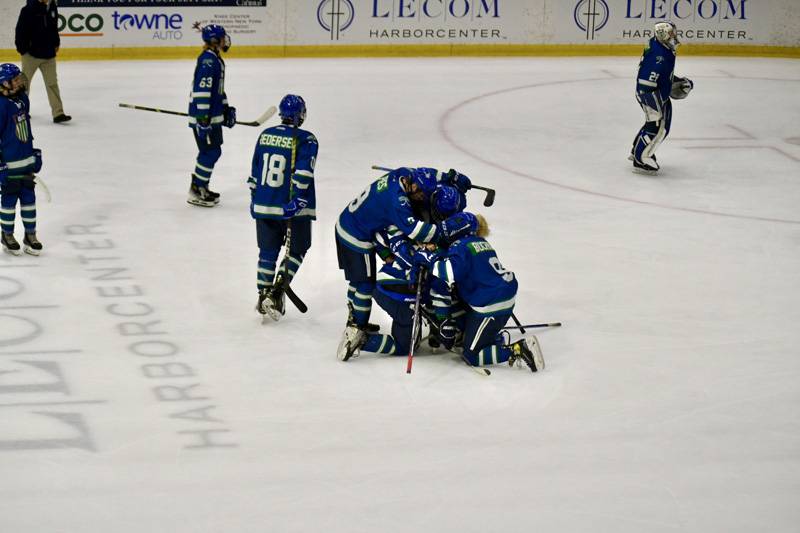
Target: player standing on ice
[(208, 112), (386, 202), (282, 184), (654, 86), (471, 273), (19, 161)]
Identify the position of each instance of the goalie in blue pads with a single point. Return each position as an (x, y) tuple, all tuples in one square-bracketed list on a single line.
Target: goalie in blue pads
[(655, 85)]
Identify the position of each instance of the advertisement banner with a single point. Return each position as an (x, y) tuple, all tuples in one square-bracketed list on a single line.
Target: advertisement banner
[(382, 22), (145, 23), (631, 21)]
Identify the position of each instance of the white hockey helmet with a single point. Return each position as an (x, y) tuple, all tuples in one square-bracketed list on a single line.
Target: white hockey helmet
[(667, 34)]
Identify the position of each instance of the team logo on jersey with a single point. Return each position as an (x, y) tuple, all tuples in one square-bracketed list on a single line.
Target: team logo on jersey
[(659, 59), (22, 129), (335, 16), (591, 16)]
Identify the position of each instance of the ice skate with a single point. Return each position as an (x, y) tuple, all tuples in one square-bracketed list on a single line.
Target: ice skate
[(32, 244), (647, 167), (201, 196), (353, 338), (10, 244), (528, 351), (275, 304)]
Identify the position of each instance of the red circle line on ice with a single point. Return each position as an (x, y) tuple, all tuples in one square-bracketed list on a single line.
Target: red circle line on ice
[(443, 119)]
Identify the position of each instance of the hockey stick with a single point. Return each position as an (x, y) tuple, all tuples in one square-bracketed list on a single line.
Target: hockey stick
[(517, 322), (488, 201), (298, 303), (271, 110), (544, 325), (416, 323)]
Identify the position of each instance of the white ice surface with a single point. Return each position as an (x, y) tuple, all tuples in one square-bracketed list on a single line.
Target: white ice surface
[(670, 399)]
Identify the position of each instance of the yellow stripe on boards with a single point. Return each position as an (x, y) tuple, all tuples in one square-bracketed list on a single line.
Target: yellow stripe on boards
[(413, 50)]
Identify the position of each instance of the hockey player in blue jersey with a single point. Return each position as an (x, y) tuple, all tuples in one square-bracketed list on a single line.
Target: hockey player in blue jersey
[(386, 202), (282, 184), (19, 161), (654, 86), (471, 272), (395, 282), (208, 112)]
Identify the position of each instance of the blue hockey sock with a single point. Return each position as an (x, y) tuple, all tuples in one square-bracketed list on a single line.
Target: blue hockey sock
[(266, 268), (8, 211), (27, 209), (378, 343), (490, 355), (292, 267), (360, 296), (205, 166)]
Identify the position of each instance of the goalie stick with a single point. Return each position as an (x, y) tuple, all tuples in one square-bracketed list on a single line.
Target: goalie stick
[(271, 110), (488, 201)]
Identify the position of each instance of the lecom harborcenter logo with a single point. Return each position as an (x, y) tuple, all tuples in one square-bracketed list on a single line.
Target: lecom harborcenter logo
[(335, 16), (591, 16)]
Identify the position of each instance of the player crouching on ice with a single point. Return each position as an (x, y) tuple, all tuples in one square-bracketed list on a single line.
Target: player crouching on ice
[(19, 161), (282, 192), (470, 272), (208, 112), (655, 85)]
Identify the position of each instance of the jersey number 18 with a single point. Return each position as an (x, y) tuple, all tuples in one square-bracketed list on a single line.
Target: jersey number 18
[(273, 170)]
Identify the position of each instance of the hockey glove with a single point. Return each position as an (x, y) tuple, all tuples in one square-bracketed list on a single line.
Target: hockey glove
[(446, 331), (230, 117), (459, 225), (294, 207), (3, 174), (681, 87), (459, 181), (37, 165)]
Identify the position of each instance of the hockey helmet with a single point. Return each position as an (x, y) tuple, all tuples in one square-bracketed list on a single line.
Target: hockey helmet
[(459, 225), (8, 71), (445, 201), (215, 32), (292, 109), (667, 34), (425, 179)]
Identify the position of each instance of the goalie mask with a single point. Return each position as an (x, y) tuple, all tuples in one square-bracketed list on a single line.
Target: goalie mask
[(667, 34)]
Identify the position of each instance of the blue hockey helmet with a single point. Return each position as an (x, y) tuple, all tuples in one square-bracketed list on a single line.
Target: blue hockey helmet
[(425, 179), (292, 109), (215, 32), (445, 201), (460, 225), (8, 71)]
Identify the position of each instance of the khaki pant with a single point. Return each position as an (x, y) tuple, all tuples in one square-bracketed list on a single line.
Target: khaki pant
[(30, 65)]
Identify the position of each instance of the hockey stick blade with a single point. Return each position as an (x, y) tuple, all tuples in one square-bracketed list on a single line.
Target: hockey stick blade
[(298, 303), (262, 119), (489, 200)]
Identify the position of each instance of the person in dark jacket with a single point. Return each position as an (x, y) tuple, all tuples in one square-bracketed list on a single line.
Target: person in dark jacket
[(37, 42)]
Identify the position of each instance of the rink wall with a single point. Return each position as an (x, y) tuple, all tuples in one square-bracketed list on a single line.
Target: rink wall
[(166, 29)]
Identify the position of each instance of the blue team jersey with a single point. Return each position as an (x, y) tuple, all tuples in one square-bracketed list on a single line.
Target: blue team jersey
[(16, 139), (208, 99), (472, 268), (272, 161), (655, 69), (384, 203)]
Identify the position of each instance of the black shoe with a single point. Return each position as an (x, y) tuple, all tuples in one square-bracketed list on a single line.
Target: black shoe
[(528, 350), (9, 243), (32, 244), (62, 118)]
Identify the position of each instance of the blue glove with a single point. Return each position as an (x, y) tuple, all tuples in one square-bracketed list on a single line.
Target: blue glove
[(3, 174), (421, 259), (295, 206), (459, 181), (230, 117), (37, 155)]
